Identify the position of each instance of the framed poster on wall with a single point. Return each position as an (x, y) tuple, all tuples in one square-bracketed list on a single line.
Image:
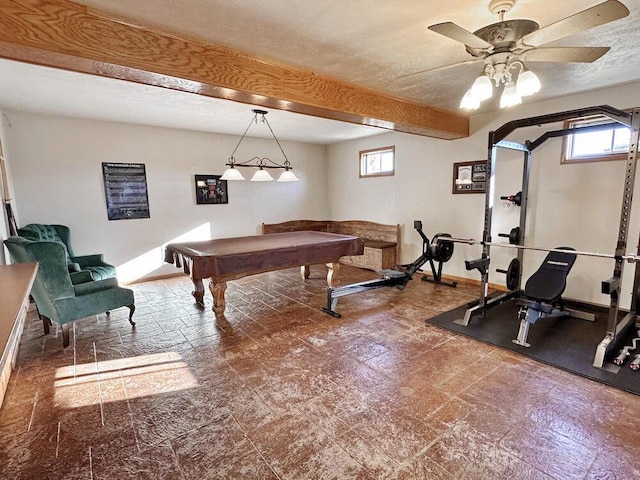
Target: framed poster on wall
[(470, 177), (125, 188), (211, 190)]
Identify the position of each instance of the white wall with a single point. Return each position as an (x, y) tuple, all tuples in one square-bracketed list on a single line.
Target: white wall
[(573, 205), (57, 176)]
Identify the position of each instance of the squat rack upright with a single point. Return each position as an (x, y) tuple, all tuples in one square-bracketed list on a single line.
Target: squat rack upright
[(611, 286)]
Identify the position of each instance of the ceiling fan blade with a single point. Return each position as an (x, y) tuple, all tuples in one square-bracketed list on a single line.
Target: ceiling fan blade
[(459, 34), (565, 54), (445, 67), (600, 14)]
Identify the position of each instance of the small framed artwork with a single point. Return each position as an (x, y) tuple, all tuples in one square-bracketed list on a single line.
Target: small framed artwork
[(211, 190), (470, 177)]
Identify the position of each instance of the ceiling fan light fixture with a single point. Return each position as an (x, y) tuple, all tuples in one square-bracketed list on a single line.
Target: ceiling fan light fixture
[(528, 83), (469, 102), (482, 89), (510, 96)]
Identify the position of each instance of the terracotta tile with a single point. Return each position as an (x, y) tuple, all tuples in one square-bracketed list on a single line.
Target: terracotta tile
[(154, 463), (220, 451), (459, 448), (482, 417), (619, 463), (278, 389), (296, 450), (421, 400), (395, 432), (335, 412), (553, 453), (72, 469), (292, 389), (374, 460), (574, 420), (423, 468), (250, 411), (502, 388), (162, 417), (38, 446)]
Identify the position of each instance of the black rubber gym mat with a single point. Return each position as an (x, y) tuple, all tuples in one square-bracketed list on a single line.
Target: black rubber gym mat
[(566, 343)]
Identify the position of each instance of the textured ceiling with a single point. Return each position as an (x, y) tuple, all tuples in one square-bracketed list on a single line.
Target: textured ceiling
[(369, 43), (372, 43), (31, 88)]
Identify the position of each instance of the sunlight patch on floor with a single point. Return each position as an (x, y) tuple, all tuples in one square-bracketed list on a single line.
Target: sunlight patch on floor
[(87, 384)]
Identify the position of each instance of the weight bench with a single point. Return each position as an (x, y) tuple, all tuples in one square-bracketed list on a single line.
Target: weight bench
[(543, 292)]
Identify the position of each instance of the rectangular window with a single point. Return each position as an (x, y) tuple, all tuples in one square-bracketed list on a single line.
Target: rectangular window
[(377, 162), (608, 144)]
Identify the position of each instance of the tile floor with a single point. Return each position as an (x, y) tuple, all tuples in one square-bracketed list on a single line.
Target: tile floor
[(279, 390)]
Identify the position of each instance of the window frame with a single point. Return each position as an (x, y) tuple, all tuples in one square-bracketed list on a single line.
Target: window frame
[(362, 153), (567, 140)]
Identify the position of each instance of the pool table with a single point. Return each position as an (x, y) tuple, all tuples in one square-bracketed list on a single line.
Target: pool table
[(227, 259)]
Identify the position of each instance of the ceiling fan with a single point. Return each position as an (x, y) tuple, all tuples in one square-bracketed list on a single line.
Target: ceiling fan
[(505, 46)]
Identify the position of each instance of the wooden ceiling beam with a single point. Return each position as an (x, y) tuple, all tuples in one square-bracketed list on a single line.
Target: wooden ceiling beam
[(63, 34)]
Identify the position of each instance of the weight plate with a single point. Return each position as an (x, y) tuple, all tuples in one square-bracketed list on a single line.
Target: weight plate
[(514, 236), (441, 250), (513, 274)]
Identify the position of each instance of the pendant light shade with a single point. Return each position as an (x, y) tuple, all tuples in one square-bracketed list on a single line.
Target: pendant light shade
[(262, 176), (232, 174), (288, 176)]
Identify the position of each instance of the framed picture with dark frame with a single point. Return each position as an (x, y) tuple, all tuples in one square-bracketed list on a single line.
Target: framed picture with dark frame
[(470, 177), (210, 190), (125, 188)]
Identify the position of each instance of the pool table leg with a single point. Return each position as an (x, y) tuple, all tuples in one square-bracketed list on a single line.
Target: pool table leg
[(332, 274), (217, 290), (305, 271), (198, 293)]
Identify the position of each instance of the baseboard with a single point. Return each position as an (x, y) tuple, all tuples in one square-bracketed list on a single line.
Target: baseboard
[(467, 281), (8, 359)]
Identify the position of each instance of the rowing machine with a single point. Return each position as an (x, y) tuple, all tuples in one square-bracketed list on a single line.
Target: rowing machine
[(438, 251)]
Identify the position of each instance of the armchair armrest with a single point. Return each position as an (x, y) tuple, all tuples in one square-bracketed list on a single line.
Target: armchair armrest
[(73, 267), (96, 286), (89, 260), (80, 277)]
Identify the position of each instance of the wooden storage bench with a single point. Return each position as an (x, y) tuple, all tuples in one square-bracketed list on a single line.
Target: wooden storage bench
[(381, 242)]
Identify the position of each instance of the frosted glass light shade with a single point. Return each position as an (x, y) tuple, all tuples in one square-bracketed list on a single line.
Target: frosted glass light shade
[(261, 176), (528, 83), (231, 174), (510, 96), (468, 102), (287, 176), (482, 88)]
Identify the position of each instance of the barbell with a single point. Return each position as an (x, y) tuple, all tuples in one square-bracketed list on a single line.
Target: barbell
[(470, 241)]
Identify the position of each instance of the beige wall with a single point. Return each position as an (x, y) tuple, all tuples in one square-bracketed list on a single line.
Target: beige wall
[(572, 205), (58, 179)]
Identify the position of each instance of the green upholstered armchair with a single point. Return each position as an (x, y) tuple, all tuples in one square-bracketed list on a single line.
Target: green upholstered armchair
[(56, 297), (93, 266)]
